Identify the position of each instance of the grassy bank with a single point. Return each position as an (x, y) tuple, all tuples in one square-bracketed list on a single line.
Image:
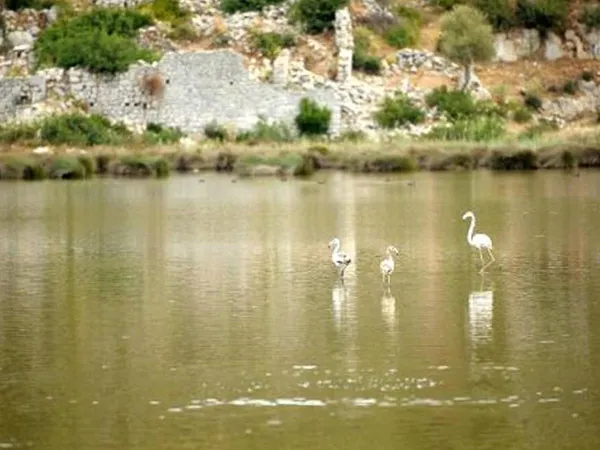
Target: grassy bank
[(302, 158)]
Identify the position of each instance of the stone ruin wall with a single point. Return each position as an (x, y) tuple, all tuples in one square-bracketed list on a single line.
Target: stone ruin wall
[(185, 90)]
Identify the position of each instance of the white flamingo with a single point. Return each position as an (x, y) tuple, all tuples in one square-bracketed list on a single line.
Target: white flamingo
[(479, 240), (339, 259), (387, 265)]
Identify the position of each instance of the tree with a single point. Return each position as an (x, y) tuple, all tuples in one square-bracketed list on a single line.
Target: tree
[(466, 37)]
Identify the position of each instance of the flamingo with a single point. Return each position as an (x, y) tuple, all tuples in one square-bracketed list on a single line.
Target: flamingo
[(339, 259), (479, 240), (387, 265)]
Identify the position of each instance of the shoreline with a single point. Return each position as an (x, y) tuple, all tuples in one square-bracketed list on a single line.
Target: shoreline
[(300, 158)]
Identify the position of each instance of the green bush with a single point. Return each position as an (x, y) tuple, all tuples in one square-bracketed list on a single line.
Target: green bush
[(543, 15), (144, 165), (500, 13), (533, 101), (570, 87), (522, 115), (9, 134), (67, 167), (455, 104), (264, 131), (78, 129), (270, 44), (160, 134), (408, 13), (397, 111), (362, 59), (587, 75), (316, 15), (402, 35), (16, 5), (312, 120), (166, 11), (22, 168), (100, 41), (590, 16), (215, 132), (477, 129), (233, 6), (447, 4)]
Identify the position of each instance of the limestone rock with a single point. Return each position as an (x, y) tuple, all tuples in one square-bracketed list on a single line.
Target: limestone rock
[(21, 39), (553, 47)]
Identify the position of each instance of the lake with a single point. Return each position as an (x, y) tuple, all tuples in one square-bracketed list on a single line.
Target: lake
[(176, 314)]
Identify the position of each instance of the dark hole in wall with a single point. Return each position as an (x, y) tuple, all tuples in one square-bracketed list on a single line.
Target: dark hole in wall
[(231, 83), (91, 104), (167, 81), (136, 104), (145, 105), (126, 103)]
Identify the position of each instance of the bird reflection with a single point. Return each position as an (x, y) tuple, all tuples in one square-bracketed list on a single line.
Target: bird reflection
[(339, 295), (481, 308), (388, 309)]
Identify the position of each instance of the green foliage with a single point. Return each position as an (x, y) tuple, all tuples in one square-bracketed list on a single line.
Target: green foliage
[(447, 4), (411, 14), (476, 129), (100, 41), (183, 31), (466, 37), (533, 101), (312, 119), (16, 5), (215, 132), (587, 75), (165, 11), (402, 35), (22, 168), (144, 165), (264, 131), (315, 16), (361, 58), (519, 160), (397, 111), (522, 115), (570, 87), (160, 134), (455, 104), (499, 13), (78, 129), (233, 6), (590, 16), (270, 44), (536, 130), (543, 15), (12, 133)]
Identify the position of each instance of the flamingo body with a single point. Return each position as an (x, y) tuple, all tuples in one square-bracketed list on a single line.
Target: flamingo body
[(387, 265), (479, 241), (339, 259)]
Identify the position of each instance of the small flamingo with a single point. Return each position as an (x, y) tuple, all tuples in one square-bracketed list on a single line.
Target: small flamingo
[(339, 259), (387, 265), (479, 241)]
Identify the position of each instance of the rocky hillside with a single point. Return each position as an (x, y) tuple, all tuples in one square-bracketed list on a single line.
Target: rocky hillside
[(360, 52)]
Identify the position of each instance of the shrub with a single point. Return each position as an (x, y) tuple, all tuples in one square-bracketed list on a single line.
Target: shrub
[(100, 41), (183, 32), (264, 131), (587, 75), (522, 115), (397, 111), (402, 35), (361, 58), (543, 15), (570, 87), (520, 160), (270, 44), (233, 6), (455, 104), (499, 13), (411, 14), (9, 134), (590, 16), (532, 101), (78, 129), (312, 120), (479, 129), (144, 165), (215, 132), (316, 15), (22, 168), (160, 134), (538, 129), (16, 5), (166, 11), (447, 4)]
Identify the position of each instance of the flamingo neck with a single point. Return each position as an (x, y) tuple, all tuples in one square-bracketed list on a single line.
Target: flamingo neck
[(336, 248), (471, 230)]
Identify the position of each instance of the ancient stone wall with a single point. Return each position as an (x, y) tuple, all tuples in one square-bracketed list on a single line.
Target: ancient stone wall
[(185, 90)]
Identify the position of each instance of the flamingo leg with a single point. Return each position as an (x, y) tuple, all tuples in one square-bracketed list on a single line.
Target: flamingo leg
[(491, 255)]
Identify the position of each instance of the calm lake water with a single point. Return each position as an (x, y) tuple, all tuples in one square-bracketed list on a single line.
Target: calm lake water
[(175, 314)]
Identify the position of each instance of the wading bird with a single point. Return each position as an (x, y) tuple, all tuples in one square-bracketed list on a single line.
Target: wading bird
[(387, 265), (479, 240), (339, 259)]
